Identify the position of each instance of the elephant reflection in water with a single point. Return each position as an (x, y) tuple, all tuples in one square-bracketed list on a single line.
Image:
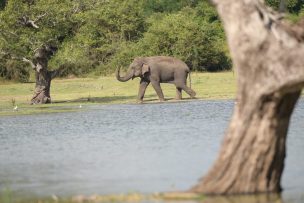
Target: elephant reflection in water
[(156, 70)]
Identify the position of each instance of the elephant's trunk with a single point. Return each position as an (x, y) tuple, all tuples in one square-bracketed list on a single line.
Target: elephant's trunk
[(125, 78)]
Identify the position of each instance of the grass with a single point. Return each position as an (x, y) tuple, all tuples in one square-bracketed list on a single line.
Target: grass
[(68, 94), (130, 197), (172, 197)]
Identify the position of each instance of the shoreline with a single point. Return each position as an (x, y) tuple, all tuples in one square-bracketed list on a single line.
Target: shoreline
[(67, 94)]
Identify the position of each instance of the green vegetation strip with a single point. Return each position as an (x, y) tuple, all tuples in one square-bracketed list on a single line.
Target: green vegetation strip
[(177, 197), (76, 94), (130, 197)]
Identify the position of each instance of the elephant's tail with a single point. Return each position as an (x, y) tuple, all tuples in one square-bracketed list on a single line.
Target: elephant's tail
[(190, 79)]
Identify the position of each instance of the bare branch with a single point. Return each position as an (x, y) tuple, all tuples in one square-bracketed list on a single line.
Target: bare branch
[(40, 16), (11, 56), (29, 61), (14, 57), (26, 21), (76, 9), (3, 52)]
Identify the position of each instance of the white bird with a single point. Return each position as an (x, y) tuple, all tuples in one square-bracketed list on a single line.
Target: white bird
[(55, 198), (16, 108), (80, 106)]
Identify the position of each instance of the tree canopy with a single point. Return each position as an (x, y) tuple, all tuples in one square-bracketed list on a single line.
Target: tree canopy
[(96, 36)]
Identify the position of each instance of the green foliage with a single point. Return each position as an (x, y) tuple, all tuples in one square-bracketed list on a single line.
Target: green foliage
[(14, 70), (102, 32), (2, 4), (193, 35), (154, 6), (96, 36), (55, 22), (293, 6)]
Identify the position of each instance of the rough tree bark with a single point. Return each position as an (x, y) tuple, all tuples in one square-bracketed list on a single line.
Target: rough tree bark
[(42, 75), (268, 57)]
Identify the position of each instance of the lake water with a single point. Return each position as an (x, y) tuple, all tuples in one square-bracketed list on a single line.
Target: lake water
[(126, 148)]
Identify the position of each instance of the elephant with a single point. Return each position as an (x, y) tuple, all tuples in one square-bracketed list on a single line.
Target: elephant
[(156, 70)]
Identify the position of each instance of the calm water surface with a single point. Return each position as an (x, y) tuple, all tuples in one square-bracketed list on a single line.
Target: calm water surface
[(126, 148)]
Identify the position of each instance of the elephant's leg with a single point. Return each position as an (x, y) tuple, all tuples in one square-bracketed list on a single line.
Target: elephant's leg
[(158, 90), (182, 85), (142, 88), (188, 90), (178, 93)]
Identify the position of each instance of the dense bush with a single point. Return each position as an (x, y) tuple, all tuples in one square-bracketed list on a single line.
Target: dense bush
[(14, 70), (154, 6), (193, 35), (102, 32), (2, 4)]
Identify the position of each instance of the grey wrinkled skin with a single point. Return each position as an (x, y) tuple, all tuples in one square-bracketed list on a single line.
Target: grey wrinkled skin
[(156, 70)]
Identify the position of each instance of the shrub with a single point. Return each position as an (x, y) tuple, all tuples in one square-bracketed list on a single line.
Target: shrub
[(14, 70), (193, 35)]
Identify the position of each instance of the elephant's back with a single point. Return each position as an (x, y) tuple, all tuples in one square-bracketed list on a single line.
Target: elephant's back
[(168, 60)]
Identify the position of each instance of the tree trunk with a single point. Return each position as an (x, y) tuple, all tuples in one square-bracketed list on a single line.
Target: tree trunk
[(43, 75), (43, 85), (268, 56)]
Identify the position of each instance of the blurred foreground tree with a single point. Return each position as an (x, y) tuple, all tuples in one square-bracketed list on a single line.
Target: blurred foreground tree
[(267, 54)]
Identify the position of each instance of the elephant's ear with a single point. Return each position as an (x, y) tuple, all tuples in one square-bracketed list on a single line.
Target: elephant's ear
[(145, 69)]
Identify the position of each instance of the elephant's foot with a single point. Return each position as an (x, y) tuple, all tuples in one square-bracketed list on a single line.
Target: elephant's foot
[(192, 95), (139, 101), (178, 97), (161, 100)]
